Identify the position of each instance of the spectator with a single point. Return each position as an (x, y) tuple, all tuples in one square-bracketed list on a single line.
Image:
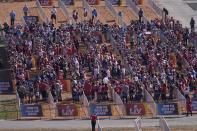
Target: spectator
[(93, 118), (25, 10), (94, 14), (12, 17), (165, 12), (189, 106), (85, 13), (53, 14), (140, 14), (192, 24), (75, 15)]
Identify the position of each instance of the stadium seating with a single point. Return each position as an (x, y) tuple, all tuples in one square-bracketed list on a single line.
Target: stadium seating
[(80, 46)]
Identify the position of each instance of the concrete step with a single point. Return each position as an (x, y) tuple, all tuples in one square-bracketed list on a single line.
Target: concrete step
[(17, 7), (104, 14), (149, 12), (128, 15)]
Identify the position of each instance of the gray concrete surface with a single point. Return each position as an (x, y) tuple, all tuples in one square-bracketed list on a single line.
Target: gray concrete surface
[(180, 10), (182, 122)]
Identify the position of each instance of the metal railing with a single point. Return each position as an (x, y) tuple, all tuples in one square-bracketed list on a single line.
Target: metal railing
[(41, 12), (163, 124), (155, 7), (65, 12), (151, 103), (99, 126), (119, 102), (138, 123), (132, 5), (88, 7), (109, 5), (181, 100)]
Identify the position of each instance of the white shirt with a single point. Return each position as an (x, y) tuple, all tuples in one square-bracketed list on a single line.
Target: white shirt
[(53, 11), (105, 80)]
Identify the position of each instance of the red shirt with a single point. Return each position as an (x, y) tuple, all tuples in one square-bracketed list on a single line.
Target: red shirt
[(88, 88), (118, 89), (93, 117), (189, 105)]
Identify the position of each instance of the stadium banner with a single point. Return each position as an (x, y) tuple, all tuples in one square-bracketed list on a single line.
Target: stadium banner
[(45, 2), (93, 2), (6, 87), (137, 109), (115, 2), (67, 110), (167, 108), (31, 110), (194, 104), (68, 2), (101, 110), (31, 19)]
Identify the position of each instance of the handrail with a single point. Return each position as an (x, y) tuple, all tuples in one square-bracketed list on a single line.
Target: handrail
[(88, 7), (131, 4), (149, 99), (138, 124), (99, 126), (23, 20), (65, 11), (85, 103), (41, 12), (163, 124), (119, 102), (109, 5), (155, 7), (18, 99)]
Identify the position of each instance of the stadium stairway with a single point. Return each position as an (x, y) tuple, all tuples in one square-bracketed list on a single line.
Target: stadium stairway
[(78, 6), (104, 14), (6, 8), (128, 14), (60, 16), (33, 11), (149, 12)]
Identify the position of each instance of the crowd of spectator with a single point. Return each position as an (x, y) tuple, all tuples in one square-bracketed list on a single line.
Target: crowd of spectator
[(155, 56)]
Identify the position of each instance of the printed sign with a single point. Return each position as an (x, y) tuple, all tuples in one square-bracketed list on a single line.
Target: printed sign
[(167, 109), (92, 2), (135, 109), (101, 110), (67, 110), (31, 19), (115, 2), (31, 111), (5, 87), (194, 104), (68, 2), (45, 2)]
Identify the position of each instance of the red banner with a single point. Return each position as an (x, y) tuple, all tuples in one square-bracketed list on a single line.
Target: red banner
[(67, 110), (135, 109)]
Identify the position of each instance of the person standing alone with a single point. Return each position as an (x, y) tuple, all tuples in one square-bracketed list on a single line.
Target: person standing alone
[(140, 14), (93, 118), (53, 14), (25, 10), (12, 17), (192, 24), (188, 106)]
